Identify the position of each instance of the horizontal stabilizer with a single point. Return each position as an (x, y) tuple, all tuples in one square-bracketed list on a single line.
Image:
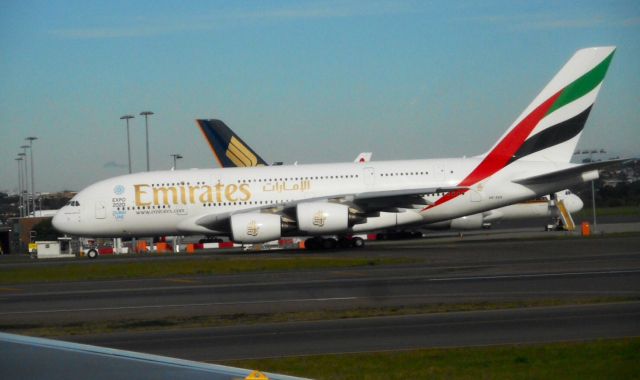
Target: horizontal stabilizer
[(560, 175)]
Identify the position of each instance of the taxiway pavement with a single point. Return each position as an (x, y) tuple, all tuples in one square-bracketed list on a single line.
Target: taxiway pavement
[(447, 271)]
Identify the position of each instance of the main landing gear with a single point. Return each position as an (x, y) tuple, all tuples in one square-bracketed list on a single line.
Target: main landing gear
[(318, 242)]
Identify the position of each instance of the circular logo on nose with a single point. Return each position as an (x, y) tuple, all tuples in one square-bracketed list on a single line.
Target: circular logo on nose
[(119, 190)]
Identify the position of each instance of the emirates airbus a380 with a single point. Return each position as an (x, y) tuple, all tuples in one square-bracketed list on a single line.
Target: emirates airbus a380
[(259, 204)]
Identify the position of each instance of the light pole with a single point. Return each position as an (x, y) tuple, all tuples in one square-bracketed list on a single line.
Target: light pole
[(25, 178), (19, 161), (146, 114), (176, 157), (127, 117), (33, 183), (591, 152)]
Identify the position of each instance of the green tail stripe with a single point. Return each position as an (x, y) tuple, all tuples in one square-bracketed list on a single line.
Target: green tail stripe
[(582, 85)]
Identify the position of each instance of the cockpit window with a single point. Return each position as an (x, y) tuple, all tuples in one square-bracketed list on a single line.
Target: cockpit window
[(73, 203)]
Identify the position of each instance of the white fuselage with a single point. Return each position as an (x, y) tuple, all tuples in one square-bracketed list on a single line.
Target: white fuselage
[(169, 202)]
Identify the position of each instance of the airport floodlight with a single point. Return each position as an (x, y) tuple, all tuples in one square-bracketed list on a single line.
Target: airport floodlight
[(19, 161), (33, 182), (25, 176), (126, 118), (146, 114), (176, 157), (26, 167), (591, 152)]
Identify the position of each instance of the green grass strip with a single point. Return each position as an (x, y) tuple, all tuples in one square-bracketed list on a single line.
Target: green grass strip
[(174, 268), (606, 359), (587, 213)]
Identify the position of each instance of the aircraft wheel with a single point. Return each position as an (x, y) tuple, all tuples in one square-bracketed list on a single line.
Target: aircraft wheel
[(344, 243), (92, 254), (357, 242), (329, 243), (311, 243)]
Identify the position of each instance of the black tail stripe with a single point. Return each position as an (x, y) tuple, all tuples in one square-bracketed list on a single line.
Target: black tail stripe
[(553, 135)]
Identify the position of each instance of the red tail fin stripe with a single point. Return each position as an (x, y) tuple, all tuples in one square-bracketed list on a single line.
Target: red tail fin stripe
[(509, 145), (504, 150)]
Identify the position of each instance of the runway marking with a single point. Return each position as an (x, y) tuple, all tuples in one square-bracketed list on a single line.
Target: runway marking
[(10, 290), (180, 305), (534, 275), (346, 273), (182, 281)]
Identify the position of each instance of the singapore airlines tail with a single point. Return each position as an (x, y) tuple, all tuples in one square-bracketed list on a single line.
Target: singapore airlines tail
[(231, 152), (228, 148)]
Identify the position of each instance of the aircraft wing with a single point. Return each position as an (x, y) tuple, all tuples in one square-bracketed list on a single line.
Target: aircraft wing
[(368, 202), (563, 174), (28, 357), (409, 192)]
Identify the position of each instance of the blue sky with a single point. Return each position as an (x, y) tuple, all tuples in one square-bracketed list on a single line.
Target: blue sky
[(314, 81)]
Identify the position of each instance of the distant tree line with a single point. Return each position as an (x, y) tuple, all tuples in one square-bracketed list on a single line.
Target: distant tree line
[(623, 194)]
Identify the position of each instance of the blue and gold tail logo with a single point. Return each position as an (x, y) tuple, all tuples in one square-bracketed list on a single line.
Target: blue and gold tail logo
[(238, 153), (228, 148)]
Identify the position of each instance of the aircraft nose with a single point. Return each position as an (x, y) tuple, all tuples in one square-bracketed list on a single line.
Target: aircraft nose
[(61, 222), (57, 221), (575, 203)]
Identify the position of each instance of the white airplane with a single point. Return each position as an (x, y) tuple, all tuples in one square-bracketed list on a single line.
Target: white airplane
[(231, 151), (558, 206), (259, 204)]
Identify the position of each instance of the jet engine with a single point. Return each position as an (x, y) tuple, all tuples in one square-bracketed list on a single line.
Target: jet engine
[(319, 218), (469, 222), (255, 227)]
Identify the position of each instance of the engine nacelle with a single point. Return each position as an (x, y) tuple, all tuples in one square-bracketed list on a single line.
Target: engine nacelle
[(255, 228), (319, 218), (469, 222)]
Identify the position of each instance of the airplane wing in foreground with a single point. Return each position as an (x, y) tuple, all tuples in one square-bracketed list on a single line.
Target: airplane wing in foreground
[(27, 357)]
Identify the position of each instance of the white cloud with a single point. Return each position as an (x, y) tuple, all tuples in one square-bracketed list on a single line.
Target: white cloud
[(213, 20), (113, 165), (546, 21)]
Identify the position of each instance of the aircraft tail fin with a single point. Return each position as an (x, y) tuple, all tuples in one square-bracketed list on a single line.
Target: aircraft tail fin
[(549, 128), (228, 148)]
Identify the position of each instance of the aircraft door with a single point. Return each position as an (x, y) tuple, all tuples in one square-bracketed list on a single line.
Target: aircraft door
[(475, 195), (369, 176), (101, 210)]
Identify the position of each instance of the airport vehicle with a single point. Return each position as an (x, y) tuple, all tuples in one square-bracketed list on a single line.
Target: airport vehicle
[(259, 204), (558, 206)]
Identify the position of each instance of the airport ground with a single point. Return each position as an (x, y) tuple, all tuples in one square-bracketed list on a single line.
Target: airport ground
[(515, 288)]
